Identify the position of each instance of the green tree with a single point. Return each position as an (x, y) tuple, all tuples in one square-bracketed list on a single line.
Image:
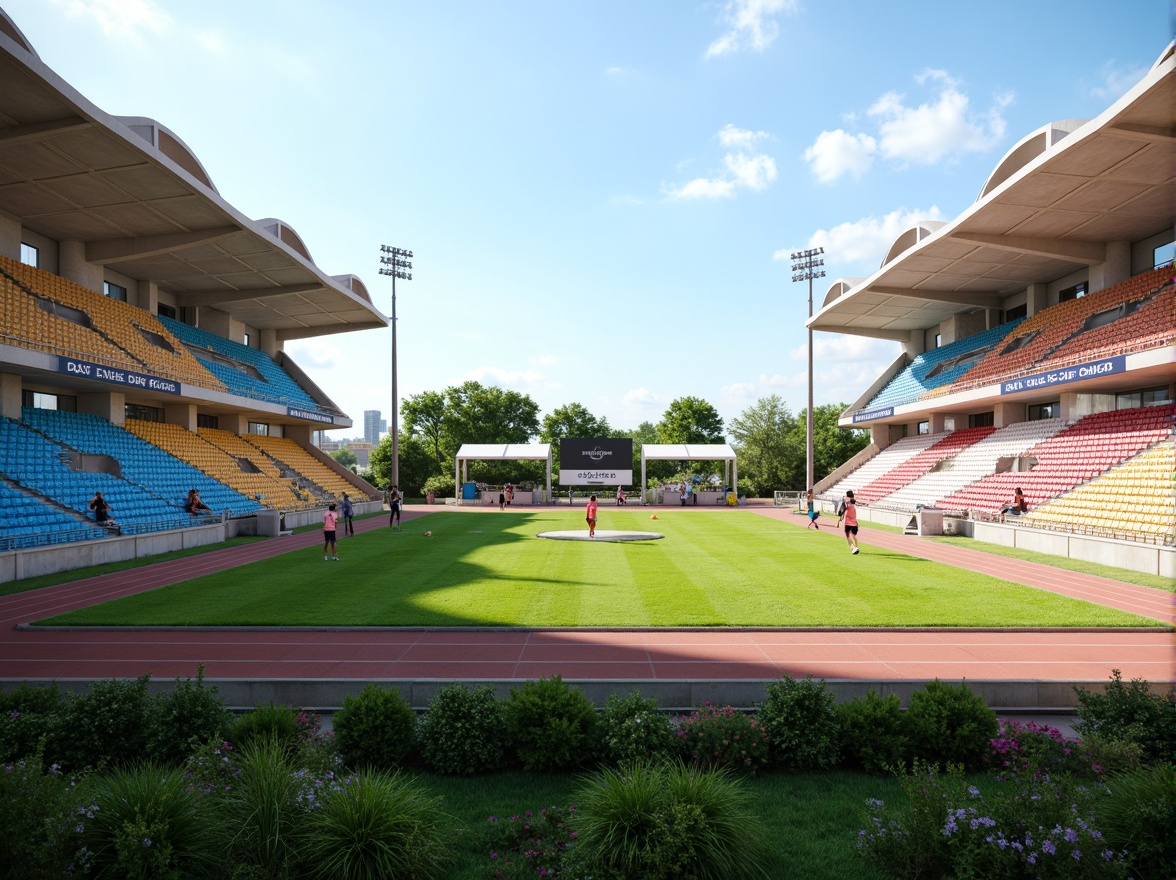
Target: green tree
[(571, 420), (643, 434), (764, 439), (833, 445), (469, 413), (416, 464), (424, 417), (690, 420), (345, 457)]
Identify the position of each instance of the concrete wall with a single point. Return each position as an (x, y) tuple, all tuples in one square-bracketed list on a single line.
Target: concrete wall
[(1147, 558), (19, 564)]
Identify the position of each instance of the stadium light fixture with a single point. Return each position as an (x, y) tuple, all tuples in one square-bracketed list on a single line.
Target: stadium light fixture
[(806, 265), (395, 262)]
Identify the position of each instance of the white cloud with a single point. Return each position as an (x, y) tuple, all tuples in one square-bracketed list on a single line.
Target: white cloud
[(742, 168), (1116, 80), (750, 25), (543, 360), (618, 71), (836, 153), (738, 392), (503, 378), (318, 353), (938, 129), (120, 19), (779, 380), (864, 241)]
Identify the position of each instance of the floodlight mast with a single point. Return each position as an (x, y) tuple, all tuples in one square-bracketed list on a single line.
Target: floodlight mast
[(395, 262), (806, 265)]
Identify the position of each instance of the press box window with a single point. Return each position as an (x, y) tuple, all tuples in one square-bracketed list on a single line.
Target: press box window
[(258, 428), (114, 291), (1076, 292), (30, 255), (1039, 411)]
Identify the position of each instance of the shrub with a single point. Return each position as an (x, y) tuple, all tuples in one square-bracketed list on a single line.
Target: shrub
[(441, 485), (1037, 827), (26, 719), (1137, 815), (873, 732), (662, 821), (377, 826), (268, 722), (107, 725), (37, 821), (800, 717), (183, 718), (949, 724), (147, 822), (1109, 756), (462, 732), (1130, 713), (549, 725), (375, 729), (1033, 749), (532, 844), (633, 729), (264, 809), (723, 738)]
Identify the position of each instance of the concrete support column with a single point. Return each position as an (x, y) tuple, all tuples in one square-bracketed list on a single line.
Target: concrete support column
[(300, 434), (146, 297), (880, 435), (1004, 414), (10, 395), (10, 237), (1115, 268), (72, 265), (268, 342), (235, 423), (182, 414), (109, 405), (939, 422), (1036, 298)]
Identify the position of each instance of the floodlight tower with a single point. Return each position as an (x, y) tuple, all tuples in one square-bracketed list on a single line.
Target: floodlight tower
[(806, 265), (395, 262)]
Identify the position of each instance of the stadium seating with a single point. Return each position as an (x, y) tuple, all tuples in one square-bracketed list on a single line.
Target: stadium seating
[(1133, 501), (31, 522), (243, 370), (118, 333), (1069, 458), (1036, 339), (315, 475), (938, 369), (886, 460), (147, 468), (920, 463), (971, 465), (266, 487), (1151, 325)]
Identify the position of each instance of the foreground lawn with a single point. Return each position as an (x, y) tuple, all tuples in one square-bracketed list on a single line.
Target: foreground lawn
[(490, 570), (811, 820)]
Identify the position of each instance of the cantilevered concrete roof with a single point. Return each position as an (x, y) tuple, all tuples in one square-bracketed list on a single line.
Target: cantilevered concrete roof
[(144, 206), (1049, 208)]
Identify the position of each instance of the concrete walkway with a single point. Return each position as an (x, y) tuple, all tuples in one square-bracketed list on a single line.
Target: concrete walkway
[(1028, 670)]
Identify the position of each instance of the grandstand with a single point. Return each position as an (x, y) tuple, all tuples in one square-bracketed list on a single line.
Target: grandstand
[(143, 320), (1038, 332)]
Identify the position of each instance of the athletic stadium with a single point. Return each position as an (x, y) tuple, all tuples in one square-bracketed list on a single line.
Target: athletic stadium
[(143, 320)]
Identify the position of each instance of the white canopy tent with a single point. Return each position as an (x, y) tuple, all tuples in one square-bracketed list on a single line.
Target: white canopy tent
[(688, 452), (499, 452)]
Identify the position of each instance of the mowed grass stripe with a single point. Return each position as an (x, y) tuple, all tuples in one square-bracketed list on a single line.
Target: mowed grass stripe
[(711, 569)]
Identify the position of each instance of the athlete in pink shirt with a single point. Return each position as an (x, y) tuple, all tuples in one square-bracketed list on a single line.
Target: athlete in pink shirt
[(330, 520), (590, 515)]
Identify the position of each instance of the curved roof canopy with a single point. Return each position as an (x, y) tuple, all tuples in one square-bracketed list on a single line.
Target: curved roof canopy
[(143, 205)]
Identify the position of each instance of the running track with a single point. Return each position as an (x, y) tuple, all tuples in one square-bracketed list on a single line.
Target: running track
[(1015, 668)]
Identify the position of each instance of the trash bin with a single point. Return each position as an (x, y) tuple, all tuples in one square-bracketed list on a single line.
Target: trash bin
[(469, 491)]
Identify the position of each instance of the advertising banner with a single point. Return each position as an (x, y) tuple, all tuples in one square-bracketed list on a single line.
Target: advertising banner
[(116, 375), (1093, 370), (604, 461)]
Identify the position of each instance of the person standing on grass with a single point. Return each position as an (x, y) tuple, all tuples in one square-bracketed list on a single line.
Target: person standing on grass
[(813, 513), (851, 522), (347, 510), (330, 521), (590, 515), (394, 506)]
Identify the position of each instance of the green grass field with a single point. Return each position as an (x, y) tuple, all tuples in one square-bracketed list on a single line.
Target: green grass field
[(712, 569)]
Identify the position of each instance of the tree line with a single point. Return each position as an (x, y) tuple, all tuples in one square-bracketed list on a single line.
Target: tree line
[(767, 437)]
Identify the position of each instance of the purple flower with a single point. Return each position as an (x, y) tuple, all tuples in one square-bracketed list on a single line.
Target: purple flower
[(1071, 835), (1076, 855), (1048, 846)]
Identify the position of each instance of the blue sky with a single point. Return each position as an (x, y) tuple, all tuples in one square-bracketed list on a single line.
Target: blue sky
[(601, 196)]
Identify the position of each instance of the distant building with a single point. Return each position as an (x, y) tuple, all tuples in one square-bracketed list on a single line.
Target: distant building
[(373, 426), (362, 450)]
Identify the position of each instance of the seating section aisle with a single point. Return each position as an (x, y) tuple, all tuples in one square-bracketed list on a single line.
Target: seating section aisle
[(1076, 455), (1152, 324), (318, 475), (141, 463), (914, 467), (972, 464), (886, 460), (939, 368), (43, 466), (1036, 338), (30, 522), (268, 490), (249, 372), (1133, 501), (136, 338)]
